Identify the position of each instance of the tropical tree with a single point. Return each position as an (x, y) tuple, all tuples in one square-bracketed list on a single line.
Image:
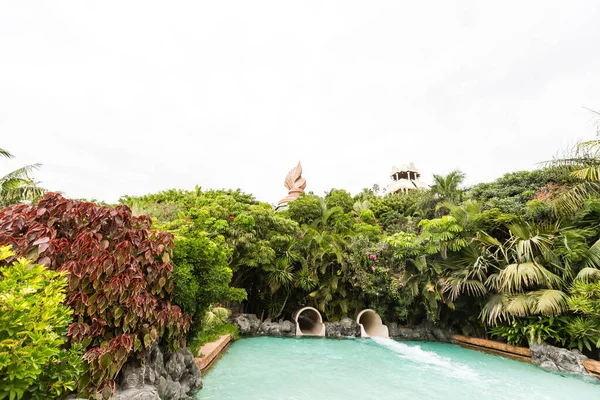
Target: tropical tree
[(324, 243), (511, 192), (339, 198), (583, 163), (18, 186), (448, 187)]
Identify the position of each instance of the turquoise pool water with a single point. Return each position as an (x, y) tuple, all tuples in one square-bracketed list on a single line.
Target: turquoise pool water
[(288, 368)]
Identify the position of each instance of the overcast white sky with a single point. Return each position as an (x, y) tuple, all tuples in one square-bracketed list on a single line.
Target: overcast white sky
[(123, 97)]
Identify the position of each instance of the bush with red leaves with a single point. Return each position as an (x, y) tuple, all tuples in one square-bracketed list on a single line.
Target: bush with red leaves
[(120, 285)]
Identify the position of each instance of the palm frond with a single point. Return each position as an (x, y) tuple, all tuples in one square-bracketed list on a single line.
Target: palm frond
[(572, 200), (588, 274), (521, 305), (550, 302), (494, 311), (5, 153), (516, 277), (215, 316), (455, 287), (280, 275), (592, 258), (527, 240), (589, 174), (22, 173)]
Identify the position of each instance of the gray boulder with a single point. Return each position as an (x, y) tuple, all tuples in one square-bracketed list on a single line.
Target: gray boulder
[(188, 357), (161, 386), (412, 333), (349, 327), (344, 328), (288, 328), (269, 328), (155, 362), (192, 382), (333, 329), (132, 376), (143, 393), (191, 379), (172, 376), (424, 332), (175, 366), (393, 329), (248, 324), (555, 358), (173, 391), (443, 335)]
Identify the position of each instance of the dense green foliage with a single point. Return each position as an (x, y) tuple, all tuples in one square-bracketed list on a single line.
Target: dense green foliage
[(511, 193), (202, 275), (500, 258), (119, 276), (35, 361)]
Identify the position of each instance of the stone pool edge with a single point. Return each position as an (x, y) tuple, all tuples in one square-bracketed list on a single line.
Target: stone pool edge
[(209, 353)]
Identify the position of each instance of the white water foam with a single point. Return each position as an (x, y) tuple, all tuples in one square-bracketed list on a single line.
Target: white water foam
[(428, 359)]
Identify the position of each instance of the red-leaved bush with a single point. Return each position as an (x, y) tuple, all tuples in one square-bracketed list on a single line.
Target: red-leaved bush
[(119, 278)]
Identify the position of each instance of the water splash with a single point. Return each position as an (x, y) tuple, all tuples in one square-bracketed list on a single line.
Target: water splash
[(428, 359)]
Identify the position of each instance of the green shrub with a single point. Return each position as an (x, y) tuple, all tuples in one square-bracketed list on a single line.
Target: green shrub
[(34, 362), (584, 329), (216, 316), (521, 331), (212, 333), (202, 275)]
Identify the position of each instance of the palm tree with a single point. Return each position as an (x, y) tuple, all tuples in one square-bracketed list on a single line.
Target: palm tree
[(323, 268), (525, 275), (447, 187), (465, 214), (18, 186), (584, 166), (530, 276)]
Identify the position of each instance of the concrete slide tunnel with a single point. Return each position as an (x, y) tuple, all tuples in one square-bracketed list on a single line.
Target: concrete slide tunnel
[(371, 325), (309, 322)]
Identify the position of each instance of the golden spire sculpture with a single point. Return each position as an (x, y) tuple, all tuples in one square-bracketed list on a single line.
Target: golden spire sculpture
[(295, 183)]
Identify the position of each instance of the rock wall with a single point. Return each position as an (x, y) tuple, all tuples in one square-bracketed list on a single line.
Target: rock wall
[(556, 358), (426, 332), (281, 328), (250, 325), (163, 376), (345, 328)]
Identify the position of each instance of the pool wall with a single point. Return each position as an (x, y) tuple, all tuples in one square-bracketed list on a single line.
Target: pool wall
[(210, 352), (493, 347)]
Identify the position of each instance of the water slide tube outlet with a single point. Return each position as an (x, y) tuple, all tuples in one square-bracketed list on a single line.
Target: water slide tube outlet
[(309, 322), (371, 325)]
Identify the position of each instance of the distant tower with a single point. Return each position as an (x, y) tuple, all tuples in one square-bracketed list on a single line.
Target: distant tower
[(296, 184), (405, 178)]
